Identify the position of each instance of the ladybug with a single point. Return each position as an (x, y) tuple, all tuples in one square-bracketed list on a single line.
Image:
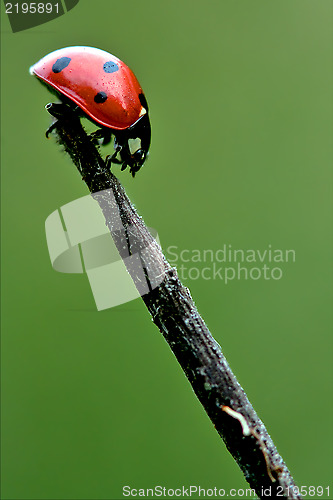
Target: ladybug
[(101, 87)]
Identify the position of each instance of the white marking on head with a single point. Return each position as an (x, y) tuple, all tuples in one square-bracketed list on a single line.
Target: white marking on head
[(143, 111)]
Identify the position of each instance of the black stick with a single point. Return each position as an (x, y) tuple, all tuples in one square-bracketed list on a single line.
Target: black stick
[(173, 311)]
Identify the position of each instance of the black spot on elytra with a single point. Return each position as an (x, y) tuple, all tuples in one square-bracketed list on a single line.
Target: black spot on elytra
[(100, 97), (143, 101), (110, 67), (60, 64)]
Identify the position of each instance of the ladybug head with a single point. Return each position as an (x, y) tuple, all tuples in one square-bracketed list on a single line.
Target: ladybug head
[(135, 142), (137, 159)]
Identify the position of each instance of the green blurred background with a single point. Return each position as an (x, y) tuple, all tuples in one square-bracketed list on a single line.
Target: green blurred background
[(241, 112)]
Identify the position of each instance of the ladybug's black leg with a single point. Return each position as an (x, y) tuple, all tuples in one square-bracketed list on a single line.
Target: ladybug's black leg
[(125, 156), (58, 111), (96, 136), (112, 159), (102, 133), (107, 136), (51, 128)]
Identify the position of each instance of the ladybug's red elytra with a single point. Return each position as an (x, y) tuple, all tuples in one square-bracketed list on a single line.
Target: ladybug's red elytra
[(108, 93)]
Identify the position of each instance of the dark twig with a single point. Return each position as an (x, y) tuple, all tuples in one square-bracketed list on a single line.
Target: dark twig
[(173, 311)]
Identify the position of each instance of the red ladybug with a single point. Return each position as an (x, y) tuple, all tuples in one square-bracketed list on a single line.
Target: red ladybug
[(107, 91)]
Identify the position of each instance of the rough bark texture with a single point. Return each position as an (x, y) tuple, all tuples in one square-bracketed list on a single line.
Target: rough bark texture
[(174, 313)]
